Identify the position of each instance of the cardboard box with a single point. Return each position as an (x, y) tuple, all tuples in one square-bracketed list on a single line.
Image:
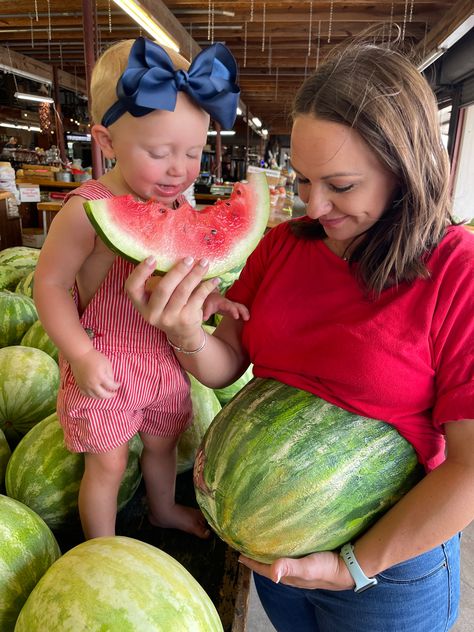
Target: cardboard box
[(32, 237)]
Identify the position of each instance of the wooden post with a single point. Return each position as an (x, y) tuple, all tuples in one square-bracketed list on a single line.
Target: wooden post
[(89, 30), (218, 152), (58, 119)]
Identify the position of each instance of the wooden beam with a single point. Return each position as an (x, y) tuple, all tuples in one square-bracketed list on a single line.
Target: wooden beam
[(23, 63), (450, 21)]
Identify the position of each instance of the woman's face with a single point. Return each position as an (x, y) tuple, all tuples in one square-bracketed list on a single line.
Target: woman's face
[(340, 179)]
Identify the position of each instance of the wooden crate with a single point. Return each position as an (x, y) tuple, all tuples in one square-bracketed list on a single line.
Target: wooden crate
[(211, 562)]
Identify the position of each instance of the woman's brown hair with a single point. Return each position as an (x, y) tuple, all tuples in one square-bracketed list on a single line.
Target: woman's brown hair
[(381, 94)]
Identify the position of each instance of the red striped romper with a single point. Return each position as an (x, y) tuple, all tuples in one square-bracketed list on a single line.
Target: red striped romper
[(154, 396)]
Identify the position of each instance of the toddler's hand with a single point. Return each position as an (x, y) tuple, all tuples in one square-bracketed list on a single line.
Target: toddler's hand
[(94, 375), (216, 303)]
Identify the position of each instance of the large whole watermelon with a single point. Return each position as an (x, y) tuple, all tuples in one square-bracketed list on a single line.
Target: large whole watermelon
[(37, 337), (5, 454), (205, 408), (225, 233), (9, 277), (282, 473), (20, 257), (17, 314), (45, 476), (29, 382), (118, 584), (27, 550)]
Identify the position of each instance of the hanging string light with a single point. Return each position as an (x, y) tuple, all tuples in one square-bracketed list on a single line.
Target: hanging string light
[(391, 24), (412, 2), (213, 13), (270, 53), (305, 66), (31, 32), (319, 44), (276, 83), (263, 27), (331, 17), (36, 10), (251, 10), (110, 15), (404, 26), (245, 45), (45, 118), (209, 20), (310, 26), (191, 42)]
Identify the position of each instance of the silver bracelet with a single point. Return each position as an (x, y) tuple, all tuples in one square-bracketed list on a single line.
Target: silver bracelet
[(184, 351)]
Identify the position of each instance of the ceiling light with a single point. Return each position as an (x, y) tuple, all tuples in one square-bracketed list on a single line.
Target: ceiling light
[(213, 132), (38, 98), (26, 75), (31, 128), (256, 121), (449, 41), (458, 32), (147, 22), (265, 132)]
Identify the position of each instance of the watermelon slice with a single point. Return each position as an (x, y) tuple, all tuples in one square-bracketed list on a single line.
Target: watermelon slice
[(224, 233)]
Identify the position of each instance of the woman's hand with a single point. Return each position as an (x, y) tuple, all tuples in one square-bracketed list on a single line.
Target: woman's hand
[(176, 303), (94, 375), (319, 570)]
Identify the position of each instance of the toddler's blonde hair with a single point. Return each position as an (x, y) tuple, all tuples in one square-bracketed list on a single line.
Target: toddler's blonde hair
[(107, 71)]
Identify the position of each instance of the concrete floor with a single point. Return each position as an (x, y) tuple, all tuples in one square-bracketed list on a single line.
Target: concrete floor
[(258, 621)]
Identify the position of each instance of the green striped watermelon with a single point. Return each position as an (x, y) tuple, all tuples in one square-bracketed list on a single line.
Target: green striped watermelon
[(282, 473), (27, 550), (226, 393), (29, 382), (205, 408), (25, 286), (37, 337), (118, 584), (20, 257), (5, 453), (45, 476), (17, 314), (9, 277)]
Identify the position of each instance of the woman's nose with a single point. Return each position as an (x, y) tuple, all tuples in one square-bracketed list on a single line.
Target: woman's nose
[(318, 204)]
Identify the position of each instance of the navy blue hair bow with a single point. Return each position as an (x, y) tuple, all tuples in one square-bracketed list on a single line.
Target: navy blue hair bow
[(150, 82)]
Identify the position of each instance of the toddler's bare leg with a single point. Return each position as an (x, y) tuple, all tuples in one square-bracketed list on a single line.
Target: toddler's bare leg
[(98, 492), (159, 471)]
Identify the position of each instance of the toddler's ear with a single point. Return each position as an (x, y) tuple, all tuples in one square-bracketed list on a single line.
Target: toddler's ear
[(103, 139)]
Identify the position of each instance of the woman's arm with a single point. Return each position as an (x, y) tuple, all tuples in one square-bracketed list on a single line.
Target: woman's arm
[(439, 506), (176, 307)]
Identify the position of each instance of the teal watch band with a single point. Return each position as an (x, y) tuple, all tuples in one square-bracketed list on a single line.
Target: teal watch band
[(362, 582)]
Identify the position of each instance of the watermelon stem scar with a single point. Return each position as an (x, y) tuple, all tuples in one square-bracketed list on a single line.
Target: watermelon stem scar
[(224, 233)]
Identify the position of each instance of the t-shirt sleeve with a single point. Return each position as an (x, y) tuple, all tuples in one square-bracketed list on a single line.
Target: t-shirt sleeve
[(453, 339)]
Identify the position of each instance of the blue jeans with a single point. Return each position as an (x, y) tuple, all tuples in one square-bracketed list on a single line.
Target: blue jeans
[(420, 595)]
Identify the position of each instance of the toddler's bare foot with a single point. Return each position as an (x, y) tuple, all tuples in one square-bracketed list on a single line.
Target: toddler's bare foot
[(184, 518)]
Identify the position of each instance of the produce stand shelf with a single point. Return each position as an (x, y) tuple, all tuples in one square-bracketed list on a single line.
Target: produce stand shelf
[(211, 562)]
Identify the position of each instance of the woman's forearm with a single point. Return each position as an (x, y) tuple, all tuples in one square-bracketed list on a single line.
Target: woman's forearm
[(433, 511)]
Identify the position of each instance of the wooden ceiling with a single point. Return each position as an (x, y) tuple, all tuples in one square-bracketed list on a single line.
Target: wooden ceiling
[(276, 43)]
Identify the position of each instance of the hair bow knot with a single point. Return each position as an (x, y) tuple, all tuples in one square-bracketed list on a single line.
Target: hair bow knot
[(150, 82)]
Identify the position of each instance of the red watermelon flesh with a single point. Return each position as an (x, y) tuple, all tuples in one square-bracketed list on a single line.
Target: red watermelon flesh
[(224, 233)]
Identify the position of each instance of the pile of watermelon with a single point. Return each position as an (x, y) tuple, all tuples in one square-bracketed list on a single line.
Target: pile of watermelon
[(40, 480)]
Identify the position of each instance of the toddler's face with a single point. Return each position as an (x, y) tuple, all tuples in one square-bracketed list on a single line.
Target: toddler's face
[(159, 155)]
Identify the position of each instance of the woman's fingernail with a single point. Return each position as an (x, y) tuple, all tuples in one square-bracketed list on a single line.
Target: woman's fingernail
[(204, 263), (216, 281), (150, 260), (277, 580), (188, 261)]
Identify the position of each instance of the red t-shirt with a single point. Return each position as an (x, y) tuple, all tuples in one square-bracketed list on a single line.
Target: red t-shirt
[(406, 358)]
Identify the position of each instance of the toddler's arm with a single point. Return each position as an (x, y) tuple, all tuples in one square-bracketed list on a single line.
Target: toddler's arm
[(217, 303), (69, 243)]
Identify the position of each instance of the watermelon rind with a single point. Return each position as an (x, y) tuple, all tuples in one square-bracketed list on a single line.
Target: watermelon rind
[(17, 314), (5, 454), (129, 245), (9, 277), (118, 584), (205, 408), (282, 473), (45, 476), (27, 550), (37, 337), (25, 286), (29, 382)]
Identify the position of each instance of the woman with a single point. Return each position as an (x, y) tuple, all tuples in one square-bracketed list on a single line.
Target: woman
[(378, 288)]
